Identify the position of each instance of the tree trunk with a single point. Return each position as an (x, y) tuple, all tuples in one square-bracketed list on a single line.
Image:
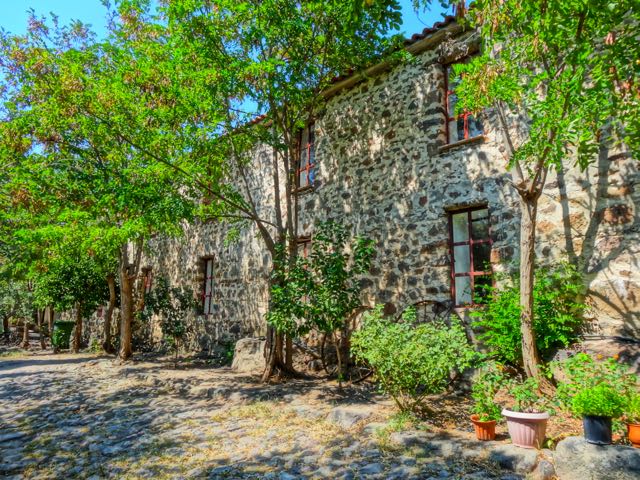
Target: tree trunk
[(288, 353), (48, 315), (530, 357), (25, 333), (126, 310), (77, 335), (43, 344), (5, 327), (107, 344)]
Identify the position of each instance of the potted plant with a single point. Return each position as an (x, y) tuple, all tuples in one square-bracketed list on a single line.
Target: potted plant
[(632, 417), (485, 411), (597, 406), (527, 419)]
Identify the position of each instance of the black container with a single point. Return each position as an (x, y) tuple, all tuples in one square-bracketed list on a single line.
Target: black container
[(597, 430)]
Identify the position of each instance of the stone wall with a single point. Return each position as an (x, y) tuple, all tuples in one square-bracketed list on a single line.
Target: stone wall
[(384, 168)]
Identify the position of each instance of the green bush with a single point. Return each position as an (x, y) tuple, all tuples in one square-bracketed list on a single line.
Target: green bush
[(411, 361), (632, 408), (581, 372), (558, 315), (601, 400), (486, 384), (526, 396)]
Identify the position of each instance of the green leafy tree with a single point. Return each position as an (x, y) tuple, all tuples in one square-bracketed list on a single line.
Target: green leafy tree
[(264, 66), (558, 314), (173, 305), (73, 113), (570, 69), (321, 292)]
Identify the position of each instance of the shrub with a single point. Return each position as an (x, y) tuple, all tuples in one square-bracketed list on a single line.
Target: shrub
[(486, 385), (557, 314), (581, 372), (526, 396), (632, 408), (411, 361), (601, 400)]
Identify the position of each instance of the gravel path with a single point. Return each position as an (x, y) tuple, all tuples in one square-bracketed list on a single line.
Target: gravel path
[(81, 416)]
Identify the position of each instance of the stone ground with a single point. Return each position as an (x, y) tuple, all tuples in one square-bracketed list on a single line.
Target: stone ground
[(84, 416)]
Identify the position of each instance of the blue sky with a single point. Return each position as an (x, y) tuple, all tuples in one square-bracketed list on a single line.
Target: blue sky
[(13, 14)]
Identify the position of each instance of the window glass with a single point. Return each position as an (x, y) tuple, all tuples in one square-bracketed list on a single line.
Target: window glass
[(460, 227), (462, 260), (463, 290), (471, 252)]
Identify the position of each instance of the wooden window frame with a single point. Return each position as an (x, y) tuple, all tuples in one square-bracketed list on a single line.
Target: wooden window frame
[(309, 167), (305, 243), (450, 116), (147, 280), (470, 242), (207, 282)]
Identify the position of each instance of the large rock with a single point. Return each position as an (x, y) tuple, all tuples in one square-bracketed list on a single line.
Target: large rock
[(576, 459), (248, 356), (348, 416)]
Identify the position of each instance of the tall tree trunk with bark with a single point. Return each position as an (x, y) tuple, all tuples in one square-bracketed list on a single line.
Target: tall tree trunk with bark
[(107, 344), (41, 323), (25, 333), (5, 327), (126, 311), (530, 357), (77, 335), (49, 318)]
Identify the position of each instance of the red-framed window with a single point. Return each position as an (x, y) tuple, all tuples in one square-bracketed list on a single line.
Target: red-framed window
[(470, 247), (304, 247), (147, 278), (207, 287), (464, 125), (305, 173)]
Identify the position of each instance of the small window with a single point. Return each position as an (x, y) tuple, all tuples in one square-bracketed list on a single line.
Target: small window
[(304, 247), (147, 278), (305, 173), (464, 125), (470, 245), (207, 288)]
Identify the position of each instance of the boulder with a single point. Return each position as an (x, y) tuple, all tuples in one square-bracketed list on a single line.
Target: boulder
[(575, 459), (248, 355), (516, 459), (348, 416)]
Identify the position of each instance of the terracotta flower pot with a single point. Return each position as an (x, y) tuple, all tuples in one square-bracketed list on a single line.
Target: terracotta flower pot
[(634, 434), (526, 429), (484, 430)]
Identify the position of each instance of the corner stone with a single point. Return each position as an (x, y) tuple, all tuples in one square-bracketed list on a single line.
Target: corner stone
[(576, 459)]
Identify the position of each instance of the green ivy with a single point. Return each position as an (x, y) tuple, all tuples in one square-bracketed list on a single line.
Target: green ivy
[(412, 361), (558, 314)]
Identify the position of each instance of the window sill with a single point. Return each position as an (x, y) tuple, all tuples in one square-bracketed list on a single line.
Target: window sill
[(462, 143), (304, 190)]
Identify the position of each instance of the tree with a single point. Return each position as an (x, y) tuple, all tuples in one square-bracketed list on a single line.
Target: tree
[(321, 292), (570, 69), (73, 114), (269, 63)]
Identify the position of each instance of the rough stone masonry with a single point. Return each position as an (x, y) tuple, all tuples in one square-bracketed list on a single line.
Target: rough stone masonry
[(384, 165)]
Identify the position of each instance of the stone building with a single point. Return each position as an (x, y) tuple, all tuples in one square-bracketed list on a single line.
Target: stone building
[(387, 157)]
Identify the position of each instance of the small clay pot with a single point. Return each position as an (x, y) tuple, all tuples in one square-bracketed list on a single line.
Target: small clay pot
[(633, 430), (484, 430), (526, 430)]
